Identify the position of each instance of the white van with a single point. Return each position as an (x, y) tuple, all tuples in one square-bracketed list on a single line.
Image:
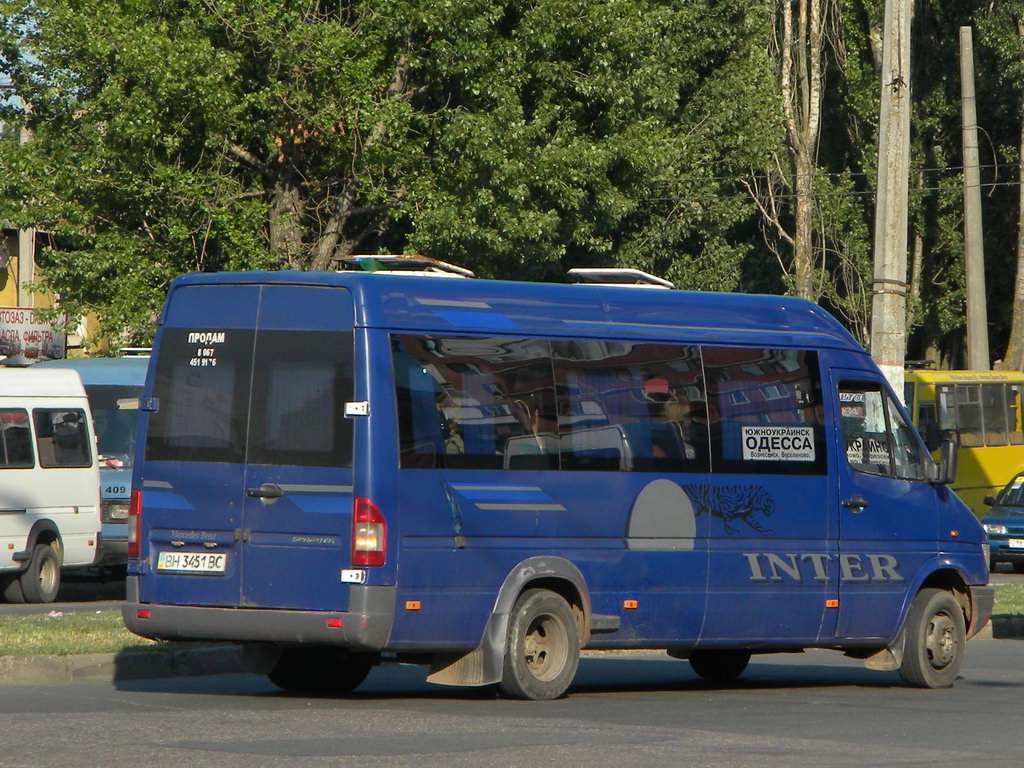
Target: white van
[(49, 482)]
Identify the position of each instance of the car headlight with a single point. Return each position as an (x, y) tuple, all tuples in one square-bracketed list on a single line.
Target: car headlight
[(995, 528), (114, 511)]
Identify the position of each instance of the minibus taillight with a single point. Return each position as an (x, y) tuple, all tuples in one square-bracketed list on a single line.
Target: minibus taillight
[(134, 523), (369, 533)]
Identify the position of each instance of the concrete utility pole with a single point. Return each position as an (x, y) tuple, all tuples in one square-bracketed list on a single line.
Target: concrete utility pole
[(26, 247), (889, 294), (974, 253)]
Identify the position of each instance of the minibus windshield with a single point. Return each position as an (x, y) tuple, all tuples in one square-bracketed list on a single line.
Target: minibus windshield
[(115, 424)]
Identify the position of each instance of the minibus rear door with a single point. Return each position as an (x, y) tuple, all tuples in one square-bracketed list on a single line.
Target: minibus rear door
[(298, 477), (247, 492)]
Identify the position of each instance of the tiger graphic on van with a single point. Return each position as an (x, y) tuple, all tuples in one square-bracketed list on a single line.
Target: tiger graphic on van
[(734, 504)]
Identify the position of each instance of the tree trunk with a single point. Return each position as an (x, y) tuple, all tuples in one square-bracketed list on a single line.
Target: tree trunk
[(803, 233), (286, 225), (916, 264), (801, 52)]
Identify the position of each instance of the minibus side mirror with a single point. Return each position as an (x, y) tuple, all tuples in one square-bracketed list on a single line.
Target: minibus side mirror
[(989, 501), (946, 468)]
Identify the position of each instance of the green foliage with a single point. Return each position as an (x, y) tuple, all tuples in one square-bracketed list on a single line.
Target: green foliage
[(517, 138)]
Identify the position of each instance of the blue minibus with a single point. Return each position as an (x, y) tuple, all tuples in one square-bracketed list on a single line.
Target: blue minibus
[(485, 477), (113, 386)]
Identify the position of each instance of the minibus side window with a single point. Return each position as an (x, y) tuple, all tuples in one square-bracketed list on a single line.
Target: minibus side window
[(629, 406), (993, 414), (15, 439), (1013, 414), (62, 437), (928, 424), (475, 402), (765, 411), (971, 431), (877, 439)]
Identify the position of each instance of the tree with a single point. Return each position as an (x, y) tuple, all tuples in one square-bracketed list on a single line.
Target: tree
[(786, 192), (518, 138), (1002, 28)]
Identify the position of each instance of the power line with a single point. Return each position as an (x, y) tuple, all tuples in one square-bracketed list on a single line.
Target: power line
[(918, 191)]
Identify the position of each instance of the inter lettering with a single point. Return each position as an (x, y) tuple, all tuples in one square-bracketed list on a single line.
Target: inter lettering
[(797, 566), (818, 561), (883, 568), (851, 569), (789, 566)]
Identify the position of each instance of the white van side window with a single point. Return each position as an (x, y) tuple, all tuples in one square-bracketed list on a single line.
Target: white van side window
[(877, 439), (62, 437), (15, 439)]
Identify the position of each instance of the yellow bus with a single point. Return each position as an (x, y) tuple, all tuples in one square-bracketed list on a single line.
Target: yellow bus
[(981, 410)]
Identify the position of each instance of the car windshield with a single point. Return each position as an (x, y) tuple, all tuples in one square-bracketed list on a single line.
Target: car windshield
[(115, 423), (1013, 494)]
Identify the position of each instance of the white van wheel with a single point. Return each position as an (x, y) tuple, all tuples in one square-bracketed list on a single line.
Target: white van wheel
[(10, 588), (40, 582), (542, 649), (935, 640)]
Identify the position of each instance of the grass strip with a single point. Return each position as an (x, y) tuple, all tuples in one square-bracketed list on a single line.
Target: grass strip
[(64, 634), (1009, 601)]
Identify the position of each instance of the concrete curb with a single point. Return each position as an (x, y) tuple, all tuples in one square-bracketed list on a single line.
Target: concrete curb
[(112, 667), (143, 665)]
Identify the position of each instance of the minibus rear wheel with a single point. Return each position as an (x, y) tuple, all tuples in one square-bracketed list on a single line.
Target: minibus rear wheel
[(542, 648), (320, 670), (719, 665), (935, 639), (40, 582)]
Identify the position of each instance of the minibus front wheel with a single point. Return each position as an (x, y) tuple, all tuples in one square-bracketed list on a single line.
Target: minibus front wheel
[(936, 636), (542, 648)]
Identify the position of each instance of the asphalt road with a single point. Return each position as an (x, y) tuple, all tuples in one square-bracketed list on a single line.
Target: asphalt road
[(815, 709)]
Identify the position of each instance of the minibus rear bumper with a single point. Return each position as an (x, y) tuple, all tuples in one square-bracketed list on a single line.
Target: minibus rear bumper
[(982, 599), (365, 626)]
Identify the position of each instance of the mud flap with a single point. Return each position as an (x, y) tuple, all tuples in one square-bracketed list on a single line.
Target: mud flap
[(888, 659), (481, 666)]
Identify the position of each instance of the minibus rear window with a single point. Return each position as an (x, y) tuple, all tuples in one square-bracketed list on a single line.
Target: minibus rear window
[(300, 386), (203, 397), (297, 389)]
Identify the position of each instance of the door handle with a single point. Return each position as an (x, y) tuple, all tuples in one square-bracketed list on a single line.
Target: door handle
[(267, 491), (856, 503)]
